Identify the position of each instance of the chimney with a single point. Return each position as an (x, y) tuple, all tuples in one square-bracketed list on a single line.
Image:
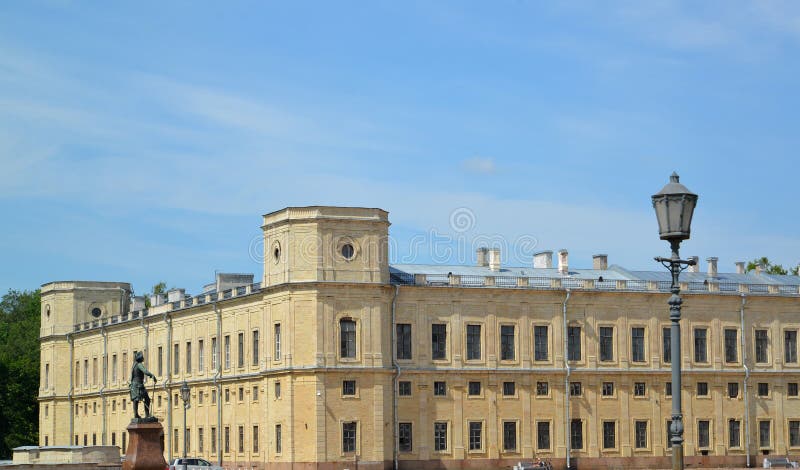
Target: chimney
[(600, 262), (740, 267), (543, 259), (563, 262), (759, 268), (712, 266), (137, 303), (481, 256), (494, 259), (176, 295), (696, 267)]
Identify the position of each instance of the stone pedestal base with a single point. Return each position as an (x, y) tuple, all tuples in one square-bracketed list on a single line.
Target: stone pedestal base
[(144, 447)]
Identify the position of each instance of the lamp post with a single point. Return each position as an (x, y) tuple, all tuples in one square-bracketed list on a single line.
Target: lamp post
[(674, 206), (185, 397)]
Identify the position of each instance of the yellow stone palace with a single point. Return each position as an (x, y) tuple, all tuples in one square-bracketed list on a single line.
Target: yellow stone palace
[(337, 359)]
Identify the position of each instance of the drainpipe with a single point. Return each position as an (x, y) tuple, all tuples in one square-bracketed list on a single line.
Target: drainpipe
[(396, 446), (104, 333), (567, 371), (746, 377), (217, 385), (167, 382), (71, 342)]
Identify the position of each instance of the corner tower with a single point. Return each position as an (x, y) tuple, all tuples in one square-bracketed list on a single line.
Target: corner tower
[(324, 243)]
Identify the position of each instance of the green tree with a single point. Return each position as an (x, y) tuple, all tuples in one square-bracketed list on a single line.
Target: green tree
[(769, 268), (159, 288), (19, 370)]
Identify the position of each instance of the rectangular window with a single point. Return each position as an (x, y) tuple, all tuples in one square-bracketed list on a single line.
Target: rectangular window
[(227, 346), (763, 389), (576, 434), (575, 389), (790, 346), (702, 389), (47, 375), (473, 342), (214, 354), (703, 427), (666, 336), (637, 344), (608, 389), (404, 388), (85, 372), (176, 359), (440, 389), (201, 355), (175, 438), (213, 440), (794, 433), (474, 388), (440, 436), (188, 357), (507, 347), (668, 389), (639, 389), (763, 433), (403, 331), (255, 439), (669, 433), (77, 374), (187, 436), (609, 434), (241, 393), (700, 345), (160, 361), (509, 389), (734, 433), (124, 442), (606, 343), (200, 394), (640, 434), (240, 351), (227, 395), (733, 389), (509, 435), (94, 371), (241, 439), (277, 335), (731, 340), (404, 442), (349, 437), (114, 368), (542, 389), (540, 343), (255, 345), (475, 435), (438, 341), (574, 343), (279, 439), (791, 389), (200, 440), (278, 389), (213, 396), (543, 435), (762, 344), (348, 338), (255, 392), (348, 387)]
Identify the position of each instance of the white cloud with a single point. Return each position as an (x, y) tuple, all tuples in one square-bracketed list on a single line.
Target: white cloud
[(480, 165)]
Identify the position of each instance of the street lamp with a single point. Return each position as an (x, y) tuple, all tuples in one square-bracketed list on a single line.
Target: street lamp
[(674, 206), (185, 397)]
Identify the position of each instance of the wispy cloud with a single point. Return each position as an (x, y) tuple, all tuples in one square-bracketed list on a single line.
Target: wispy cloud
[(479, 165)]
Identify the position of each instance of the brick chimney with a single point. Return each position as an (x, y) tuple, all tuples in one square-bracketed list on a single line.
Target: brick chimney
[(696, 267), (543, 259), (494, 259), (481, 256), (712, 266), (563, 262), (600, 262)]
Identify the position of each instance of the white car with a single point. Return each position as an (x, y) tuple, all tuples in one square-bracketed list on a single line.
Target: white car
[(193, 464)]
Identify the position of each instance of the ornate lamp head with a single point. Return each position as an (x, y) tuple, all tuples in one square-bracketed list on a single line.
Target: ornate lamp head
[(674, 206)]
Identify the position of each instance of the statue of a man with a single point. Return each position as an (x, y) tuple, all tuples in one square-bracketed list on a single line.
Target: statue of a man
[(138, 390)]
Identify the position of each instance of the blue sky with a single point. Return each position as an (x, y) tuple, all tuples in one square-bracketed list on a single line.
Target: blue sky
[(142, 141)]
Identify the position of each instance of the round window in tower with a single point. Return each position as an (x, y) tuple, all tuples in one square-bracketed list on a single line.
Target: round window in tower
[(276, 252), (96, 312), (348, 251)]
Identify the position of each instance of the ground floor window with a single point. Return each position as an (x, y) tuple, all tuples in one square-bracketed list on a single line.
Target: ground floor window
[(440, 436), (349, 437), (475, 435), (510, 435), (576, 434), (609, 434), (640, 438), (404, 437), (543, 435)]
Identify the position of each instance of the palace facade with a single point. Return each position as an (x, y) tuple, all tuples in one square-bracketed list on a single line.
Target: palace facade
[(337, 359)]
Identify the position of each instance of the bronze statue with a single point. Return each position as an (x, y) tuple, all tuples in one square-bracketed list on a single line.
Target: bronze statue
[(138, 390)]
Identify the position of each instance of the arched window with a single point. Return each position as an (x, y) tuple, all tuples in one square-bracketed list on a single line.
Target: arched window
[(347, 333)]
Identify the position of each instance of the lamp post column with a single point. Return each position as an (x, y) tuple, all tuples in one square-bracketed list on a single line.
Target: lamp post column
[(675, 301)]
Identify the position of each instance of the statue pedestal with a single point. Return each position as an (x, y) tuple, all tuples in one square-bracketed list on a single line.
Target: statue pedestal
[(144, 447)]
